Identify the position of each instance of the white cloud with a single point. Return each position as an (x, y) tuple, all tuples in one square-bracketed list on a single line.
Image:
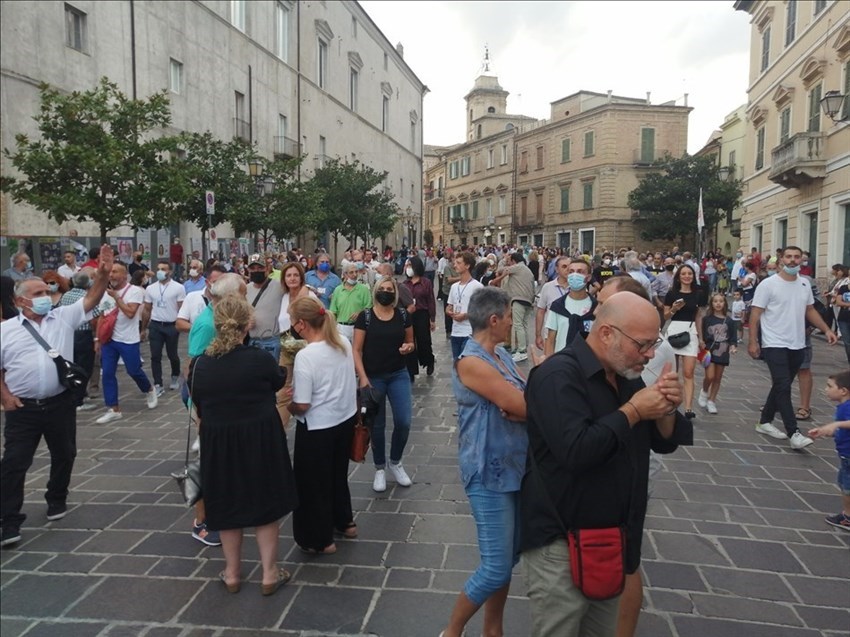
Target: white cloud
[(543, 51)]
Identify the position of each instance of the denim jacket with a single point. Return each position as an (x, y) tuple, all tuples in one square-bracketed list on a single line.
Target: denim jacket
[(489, 445)]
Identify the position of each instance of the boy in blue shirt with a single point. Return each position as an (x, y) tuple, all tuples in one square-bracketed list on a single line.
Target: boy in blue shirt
[(838, 389)]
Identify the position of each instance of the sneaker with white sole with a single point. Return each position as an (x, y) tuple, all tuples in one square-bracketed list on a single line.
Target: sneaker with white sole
[(175, 383), (379, 484), (109, 416), (711, 406), (702, 401), (768, 429), (799, 441), (85, 407), (152, 399), (196, 446), (520, 356), (159, 390), (400, 474)]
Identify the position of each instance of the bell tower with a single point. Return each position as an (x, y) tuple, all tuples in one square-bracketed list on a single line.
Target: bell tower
[(487, 97)]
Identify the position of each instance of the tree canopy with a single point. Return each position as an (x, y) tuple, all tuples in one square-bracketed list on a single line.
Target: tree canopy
[(667, 199), (99, 158)]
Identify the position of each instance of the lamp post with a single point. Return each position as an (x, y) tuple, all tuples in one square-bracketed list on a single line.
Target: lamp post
[(264, 185), (832, 103), (408, 222)]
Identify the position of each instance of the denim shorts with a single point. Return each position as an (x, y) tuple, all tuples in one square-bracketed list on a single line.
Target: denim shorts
[(844, 474)]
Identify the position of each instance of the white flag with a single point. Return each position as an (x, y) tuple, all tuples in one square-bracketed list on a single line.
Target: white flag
[(700, 217)]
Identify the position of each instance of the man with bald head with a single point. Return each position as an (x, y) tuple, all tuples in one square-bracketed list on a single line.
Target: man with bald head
[(591, 423)]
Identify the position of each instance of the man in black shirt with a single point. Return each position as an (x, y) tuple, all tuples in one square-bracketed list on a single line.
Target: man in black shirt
[(591, 424), (602, 273)]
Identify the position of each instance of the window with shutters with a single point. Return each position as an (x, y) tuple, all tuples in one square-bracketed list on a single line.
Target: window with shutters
[(565, 199), (75, 28), (760, 148), (784, 125), (385, 113), (588, 195), (175, 76), (647, 145), (503, 204), (539, 157), (538, 206), (453, 170), (322, 70), (237, 14), (820, 5), (565, 150), (523, 162), (790, 21), (765, 48), (282, 31), (490, 158), (475, 210), (523, 210), (588, 143), (464, 166), (814, 108), (504, 159), (353, 82), (845, 111)]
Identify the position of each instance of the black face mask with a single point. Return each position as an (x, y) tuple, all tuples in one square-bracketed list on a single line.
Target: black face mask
[(669, 268), (385, 298), (258, 276)]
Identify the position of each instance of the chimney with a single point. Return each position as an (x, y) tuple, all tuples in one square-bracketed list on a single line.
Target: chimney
[(400, 49), (609, 95), (648, 93), (686, 99)]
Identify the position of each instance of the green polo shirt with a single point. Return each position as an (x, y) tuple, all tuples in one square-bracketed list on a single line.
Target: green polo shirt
[(345, 302), (202, 332)]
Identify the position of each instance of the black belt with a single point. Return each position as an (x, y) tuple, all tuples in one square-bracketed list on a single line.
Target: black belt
[(164, 322), (43, 402)]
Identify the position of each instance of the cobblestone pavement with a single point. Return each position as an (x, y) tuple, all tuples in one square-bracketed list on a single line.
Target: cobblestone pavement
[(735, 540)]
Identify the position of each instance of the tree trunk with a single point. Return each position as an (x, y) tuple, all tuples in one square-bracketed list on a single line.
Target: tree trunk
[(102, 235)]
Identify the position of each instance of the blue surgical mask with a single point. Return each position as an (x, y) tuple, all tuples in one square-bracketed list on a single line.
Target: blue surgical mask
[(792, 270), (771, 272), (576, 281), (41, 305), (324, 266), (738, 255), (161, 275), (52, 287)]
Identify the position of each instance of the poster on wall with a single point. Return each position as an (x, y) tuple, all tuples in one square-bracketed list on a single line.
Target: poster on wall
[(234, 247), (243, 247), (162, 244), (143, 237), (50, 250), (125, 250), (80, 251)]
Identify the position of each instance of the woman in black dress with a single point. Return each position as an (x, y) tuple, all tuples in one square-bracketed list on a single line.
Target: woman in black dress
[(246, 475)]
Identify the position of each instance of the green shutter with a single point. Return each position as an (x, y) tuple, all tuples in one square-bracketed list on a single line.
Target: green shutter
[(588, 196), (814, 109), (565, 151), (475, 210), (845, 111), (588, 143), (565, 199), (785, 125), (647, 145)]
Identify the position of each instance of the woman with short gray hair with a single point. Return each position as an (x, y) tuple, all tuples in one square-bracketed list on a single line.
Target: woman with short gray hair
[(492, 445)]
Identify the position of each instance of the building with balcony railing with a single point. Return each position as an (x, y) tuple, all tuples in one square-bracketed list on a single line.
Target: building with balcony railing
[(797, 156)]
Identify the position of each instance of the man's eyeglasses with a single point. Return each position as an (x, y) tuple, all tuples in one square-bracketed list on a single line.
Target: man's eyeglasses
[(643, 348)]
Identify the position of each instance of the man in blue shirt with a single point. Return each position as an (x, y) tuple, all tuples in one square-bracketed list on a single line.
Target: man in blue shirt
[(196, 280), (322, 280)]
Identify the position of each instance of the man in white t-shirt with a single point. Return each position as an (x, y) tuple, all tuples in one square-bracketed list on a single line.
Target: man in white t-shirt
[(551, 291), (572, 314), (196, 302), (124, 344), (458, 302), (781, 306), (70, 267), (162, 303)]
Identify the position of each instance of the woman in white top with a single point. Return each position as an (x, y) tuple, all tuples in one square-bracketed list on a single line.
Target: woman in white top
[(294, 285), (324, 402)]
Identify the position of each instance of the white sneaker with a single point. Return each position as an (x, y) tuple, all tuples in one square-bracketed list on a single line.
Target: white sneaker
[(85, 406), (519, 357), (196, 446), (702, 401), (768, 429), (400, 474), (712, 408), (158, 390), (799, 441), (152, 399), (175, 383), (379, 484), (109, 416)]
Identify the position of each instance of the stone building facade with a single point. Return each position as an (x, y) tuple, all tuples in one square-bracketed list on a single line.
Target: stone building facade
[(293, 76), (797, 159)]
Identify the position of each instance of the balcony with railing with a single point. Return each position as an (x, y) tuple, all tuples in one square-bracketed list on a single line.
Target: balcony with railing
[(286, 148), (433, 193), (799, 160), (242, 129)]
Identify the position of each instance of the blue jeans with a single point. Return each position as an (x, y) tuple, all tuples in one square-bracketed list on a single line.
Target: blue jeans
[(458, 343), (844, 328), (130, 354), (497, 522), (783, 364), (396, 387), (270, 344)]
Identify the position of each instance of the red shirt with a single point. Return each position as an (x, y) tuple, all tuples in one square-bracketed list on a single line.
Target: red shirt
[(176, 253), (423, 294)]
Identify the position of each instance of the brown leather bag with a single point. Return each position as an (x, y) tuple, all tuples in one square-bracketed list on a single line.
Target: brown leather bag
[(360, 440)]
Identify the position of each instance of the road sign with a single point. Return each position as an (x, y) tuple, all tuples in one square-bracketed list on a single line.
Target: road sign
[(210, 203)]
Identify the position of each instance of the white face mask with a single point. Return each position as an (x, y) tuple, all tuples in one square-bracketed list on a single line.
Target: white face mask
[(409, 272), (193, 273)]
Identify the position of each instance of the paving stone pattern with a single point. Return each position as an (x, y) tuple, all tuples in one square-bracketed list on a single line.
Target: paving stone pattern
[(735, 541)]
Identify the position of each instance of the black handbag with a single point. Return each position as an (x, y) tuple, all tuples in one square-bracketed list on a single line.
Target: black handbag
[(189, 477), (680, 340), (71, 375)]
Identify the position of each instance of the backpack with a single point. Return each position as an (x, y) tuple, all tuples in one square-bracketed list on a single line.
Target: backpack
[(368, 316)]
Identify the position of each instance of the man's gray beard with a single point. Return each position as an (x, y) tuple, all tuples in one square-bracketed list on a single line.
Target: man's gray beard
[(629, 374)]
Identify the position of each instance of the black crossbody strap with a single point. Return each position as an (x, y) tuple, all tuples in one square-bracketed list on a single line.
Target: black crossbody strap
[(260, 293), (37, 336)]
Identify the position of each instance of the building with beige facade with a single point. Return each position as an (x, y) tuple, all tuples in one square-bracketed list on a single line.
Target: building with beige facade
[(797, 159), (560, 182), (293, 76)]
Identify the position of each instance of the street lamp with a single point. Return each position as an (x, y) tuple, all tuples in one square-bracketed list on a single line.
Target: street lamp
[(723, 173), (832, 103)]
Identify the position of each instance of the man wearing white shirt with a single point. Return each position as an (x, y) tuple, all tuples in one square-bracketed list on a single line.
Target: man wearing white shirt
[(35, 402), (458, 302), (196, 302), (70, 267), (162, 303), (124, 344)]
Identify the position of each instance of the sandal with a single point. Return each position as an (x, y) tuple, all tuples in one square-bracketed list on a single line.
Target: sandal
[(231, 588), (330, 549), (349, 532), (803, 413), (283, 576)]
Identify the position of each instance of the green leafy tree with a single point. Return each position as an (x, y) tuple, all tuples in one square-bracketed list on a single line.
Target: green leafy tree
[(100, 157), (213, 164), (428, 237), (667, 200), (281, 206), (353, 202)]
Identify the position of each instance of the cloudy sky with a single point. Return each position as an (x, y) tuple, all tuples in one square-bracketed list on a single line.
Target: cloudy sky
[(542, 51)]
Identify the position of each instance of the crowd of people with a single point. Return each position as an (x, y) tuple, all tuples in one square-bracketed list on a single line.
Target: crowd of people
[(571, 373)]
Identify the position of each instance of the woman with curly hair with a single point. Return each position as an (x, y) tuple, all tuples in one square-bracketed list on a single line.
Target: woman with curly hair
[(57, 285), (246, 475)]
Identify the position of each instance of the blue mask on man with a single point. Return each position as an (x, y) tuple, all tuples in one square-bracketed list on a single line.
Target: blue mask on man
[(41, 305), (793, 270), (324, 266)]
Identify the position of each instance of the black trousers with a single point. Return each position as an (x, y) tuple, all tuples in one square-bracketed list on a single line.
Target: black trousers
[(160, 334), (57, 422), (84, 357), (321, 479), (424, 354), (783, 365)]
